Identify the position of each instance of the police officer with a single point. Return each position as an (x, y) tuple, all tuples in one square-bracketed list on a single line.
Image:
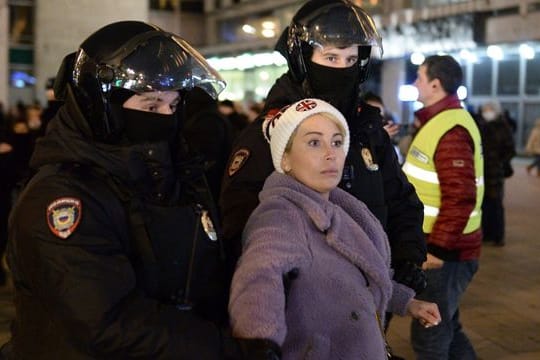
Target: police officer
[(114, 246), (328, 46)]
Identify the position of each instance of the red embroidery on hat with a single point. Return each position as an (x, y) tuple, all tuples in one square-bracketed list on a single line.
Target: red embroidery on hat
[(63, 216), (270, 121)]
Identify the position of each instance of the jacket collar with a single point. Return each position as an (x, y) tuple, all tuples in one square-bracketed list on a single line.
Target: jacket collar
[(446, 103)]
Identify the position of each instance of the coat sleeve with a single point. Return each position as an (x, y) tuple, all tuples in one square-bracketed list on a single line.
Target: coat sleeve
[(274, 245), (401, 296), (86, 283), (249, 165), (454, 162), (405, 211)]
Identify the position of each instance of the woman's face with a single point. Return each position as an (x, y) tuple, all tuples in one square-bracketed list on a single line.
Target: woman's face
[(317, 156)]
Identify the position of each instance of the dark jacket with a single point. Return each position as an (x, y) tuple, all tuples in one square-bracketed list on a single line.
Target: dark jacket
[(137, 278), (386, 191), (499, 149), (340, 252)]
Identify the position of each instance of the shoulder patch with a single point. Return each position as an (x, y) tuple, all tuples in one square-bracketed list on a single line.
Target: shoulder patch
[(63, 216), (238, 160)]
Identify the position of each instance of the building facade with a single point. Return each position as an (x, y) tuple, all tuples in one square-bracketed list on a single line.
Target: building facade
[(241, 35), (496, 41)]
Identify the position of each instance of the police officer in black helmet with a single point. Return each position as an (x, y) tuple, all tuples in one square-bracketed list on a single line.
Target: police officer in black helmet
[(328, 47), (114, 245)]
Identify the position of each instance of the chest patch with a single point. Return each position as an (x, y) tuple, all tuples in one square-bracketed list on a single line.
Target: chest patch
[(238, 160), (420, 156), (63, 216), (368, 160)]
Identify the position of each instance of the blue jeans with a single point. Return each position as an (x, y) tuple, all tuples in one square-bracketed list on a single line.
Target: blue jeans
[(447, 341)]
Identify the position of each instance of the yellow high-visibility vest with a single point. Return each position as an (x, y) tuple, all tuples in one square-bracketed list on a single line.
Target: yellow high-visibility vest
[(420, 165)]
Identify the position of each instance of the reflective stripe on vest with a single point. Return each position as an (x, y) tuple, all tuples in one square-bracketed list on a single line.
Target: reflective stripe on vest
[(420, 166)]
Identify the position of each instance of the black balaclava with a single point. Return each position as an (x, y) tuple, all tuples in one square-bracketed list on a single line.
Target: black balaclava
[(142, 126), (338, 86)]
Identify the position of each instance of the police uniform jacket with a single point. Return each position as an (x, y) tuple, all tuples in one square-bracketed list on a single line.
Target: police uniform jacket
[(109, 255), (372, 174)]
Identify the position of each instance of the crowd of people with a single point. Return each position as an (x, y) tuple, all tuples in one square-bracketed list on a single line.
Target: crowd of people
[(154, 221)]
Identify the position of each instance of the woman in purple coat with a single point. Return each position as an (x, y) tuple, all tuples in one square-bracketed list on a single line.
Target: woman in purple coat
[(336, 249)]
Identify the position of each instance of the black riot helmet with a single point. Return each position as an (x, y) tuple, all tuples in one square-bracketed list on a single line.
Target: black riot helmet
[(133, 56), (336, 23)]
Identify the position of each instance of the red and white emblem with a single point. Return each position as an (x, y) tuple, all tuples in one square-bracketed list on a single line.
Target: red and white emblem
[(306, 105), (63, 216)]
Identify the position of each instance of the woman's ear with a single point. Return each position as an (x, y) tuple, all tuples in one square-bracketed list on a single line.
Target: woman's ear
[(286, 163)]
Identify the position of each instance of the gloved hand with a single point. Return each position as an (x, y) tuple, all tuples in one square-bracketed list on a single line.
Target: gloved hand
[(259, 349), (410, 275), (248, 349)]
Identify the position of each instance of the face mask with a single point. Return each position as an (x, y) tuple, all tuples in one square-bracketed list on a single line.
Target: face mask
[(489, 115), (144, 126), (335, 85)]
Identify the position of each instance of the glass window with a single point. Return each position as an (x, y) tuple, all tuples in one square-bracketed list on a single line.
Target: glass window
[(252, 28), (511, 109), (508, 79), (20, 78), (21, 24), (532, 76), (481, 81)]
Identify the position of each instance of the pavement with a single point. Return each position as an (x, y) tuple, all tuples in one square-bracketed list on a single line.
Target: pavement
[(500, 309)]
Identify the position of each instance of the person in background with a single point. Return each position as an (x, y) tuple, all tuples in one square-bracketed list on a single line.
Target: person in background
[(328, 48), (446, 166), (209, 134), (237, 120), (388, 123), (53, 105), (113, 246), (6, 185), (499, 149), (533, 148), (391, 128), (335, 246)]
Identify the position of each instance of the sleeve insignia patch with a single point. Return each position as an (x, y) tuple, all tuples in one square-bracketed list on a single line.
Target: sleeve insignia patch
[(63, 216), (238, 160)]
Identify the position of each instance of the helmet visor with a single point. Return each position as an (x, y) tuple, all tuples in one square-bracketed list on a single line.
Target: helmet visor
[(164, 63), (340, 26)]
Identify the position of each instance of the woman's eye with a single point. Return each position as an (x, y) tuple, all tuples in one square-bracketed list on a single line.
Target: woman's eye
[(352, 60), (313, 142), (338, 143), (152, 108)]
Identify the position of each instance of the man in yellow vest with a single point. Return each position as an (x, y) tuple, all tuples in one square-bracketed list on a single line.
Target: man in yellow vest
[(445, 165)]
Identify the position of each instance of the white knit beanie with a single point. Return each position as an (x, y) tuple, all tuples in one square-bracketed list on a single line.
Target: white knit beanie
[(279, 128)]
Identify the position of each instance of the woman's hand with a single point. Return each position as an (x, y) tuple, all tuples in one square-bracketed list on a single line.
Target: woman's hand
[(426, 313)]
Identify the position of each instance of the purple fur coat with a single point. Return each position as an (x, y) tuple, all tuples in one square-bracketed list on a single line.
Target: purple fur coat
[(343, 258)]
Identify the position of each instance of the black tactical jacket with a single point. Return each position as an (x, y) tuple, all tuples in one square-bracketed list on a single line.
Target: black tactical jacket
[(379, 183), (139, 276)]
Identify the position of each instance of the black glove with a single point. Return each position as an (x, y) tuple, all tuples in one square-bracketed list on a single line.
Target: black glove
[(410, 275), (259, 349)]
